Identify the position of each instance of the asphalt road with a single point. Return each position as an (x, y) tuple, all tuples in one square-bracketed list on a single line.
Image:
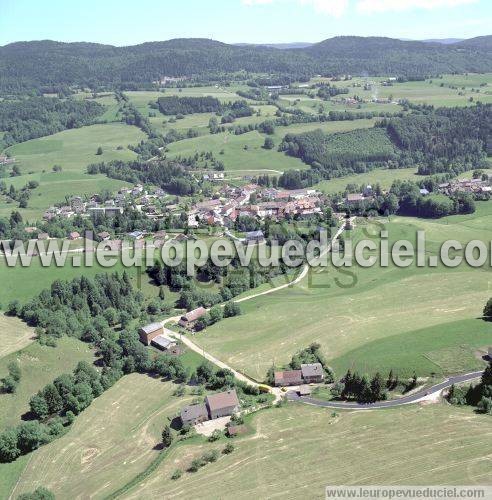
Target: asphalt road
[(413, 398)]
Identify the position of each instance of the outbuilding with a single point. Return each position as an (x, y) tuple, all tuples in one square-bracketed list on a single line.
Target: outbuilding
[(194, 414)]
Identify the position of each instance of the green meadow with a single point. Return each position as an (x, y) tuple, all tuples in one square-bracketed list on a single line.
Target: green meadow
[(73, 150), (383, 177), (109, 443), (23, 283), (245, 152)]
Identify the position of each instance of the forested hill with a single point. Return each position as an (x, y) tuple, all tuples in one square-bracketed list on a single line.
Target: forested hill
[(24, 65)]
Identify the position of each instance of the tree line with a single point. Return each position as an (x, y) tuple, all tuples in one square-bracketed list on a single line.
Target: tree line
[(34, 117)]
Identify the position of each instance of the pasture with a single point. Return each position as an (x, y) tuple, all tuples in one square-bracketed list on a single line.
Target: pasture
[(109, 443), (398, 446), (245, 153), (73, 150), (14, 335), (39, 365), (359, 315), (383, 177), (23, 283)]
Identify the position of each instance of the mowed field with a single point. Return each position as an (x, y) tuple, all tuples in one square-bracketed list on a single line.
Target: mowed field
[(39, 365), (14, 335), (73, 150), (23, 283), (296, 451), (116, 437), (374, 318), (383, 177), (109, 443)]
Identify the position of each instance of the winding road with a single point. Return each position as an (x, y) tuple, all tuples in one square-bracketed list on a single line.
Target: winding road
[(391, 403)]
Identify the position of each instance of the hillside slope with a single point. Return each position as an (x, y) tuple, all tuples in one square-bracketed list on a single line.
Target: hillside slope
[(46, 63)]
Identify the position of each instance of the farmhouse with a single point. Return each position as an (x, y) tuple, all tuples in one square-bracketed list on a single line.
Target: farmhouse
[(162, 343), (189, 319), (222, 404), (312, 373), (149, 332), (194, 414), (288, 377)]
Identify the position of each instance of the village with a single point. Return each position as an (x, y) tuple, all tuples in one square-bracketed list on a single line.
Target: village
[(222, 210)]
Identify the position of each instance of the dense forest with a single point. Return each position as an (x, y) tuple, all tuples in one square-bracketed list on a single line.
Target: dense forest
[(51, 66), (446, 140), (174, 105), (168, 175), (39, 116)]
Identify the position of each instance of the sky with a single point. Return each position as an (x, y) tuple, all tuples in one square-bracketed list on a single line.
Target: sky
[(129, 22)]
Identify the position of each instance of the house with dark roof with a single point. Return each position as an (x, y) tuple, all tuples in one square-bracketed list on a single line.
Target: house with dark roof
[(189, 319), (194, 414), (222, 404), (312, 373), (288, 377)]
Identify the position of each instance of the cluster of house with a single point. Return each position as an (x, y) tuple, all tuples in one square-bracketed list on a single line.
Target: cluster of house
[(136, 196), (223, 404), (474, 186), (254, 201), (6, 160), (310, 373)]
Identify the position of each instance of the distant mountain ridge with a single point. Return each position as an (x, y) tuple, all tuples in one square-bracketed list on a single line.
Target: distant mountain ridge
[(50, 64)]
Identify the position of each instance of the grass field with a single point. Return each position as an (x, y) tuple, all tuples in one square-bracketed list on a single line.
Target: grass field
[(53, 188), (296, 451), (384, 177), (73, 150), (246, 153), (114, 439), (14, 335), (109, 443), (23, 283), (39, 366), (363, 316)]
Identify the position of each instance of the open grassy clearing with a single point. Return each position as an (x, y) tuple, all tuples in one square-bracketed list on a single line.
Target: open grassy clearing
[(384, 177), (110, 442), (39, 366), (235, 156), (73, 150), (53, 188), (23, 283), (398, 446), (255, 157), (14, 335), (345, 311)]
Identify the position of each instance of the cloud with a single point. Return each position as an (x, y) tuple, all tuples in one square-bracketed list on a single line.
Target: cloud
[(375, 6), (335, 8)]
